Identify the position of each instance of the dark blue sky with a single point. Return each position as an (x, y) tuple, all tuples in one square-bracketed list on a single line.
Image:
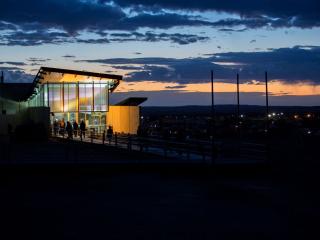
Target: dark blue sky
[(167, 48)]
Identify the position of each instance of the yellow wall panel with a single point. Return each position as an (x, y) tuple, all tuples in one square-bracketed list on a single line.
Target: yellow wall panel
[(124, 119)]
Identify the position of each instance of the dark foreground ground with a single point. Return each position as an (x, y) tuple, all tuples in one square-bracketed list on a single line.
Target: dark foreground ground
[(141, 200), (118, 202)]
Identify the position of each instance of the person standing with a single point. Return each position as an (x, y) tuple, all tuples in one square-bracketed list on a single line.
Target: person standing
[(75, 128), (69, 130), (82, 129), (55, 127), (109, 134), (62, 127)]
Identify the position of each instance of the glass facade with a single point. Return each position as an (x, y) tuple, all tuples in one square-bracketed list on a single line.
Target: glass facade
[(70, 98), (85, 97), (75, 101)]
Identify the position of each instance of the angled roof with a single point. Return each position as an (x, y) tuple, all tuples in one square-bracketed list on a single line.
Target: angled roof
[(132, 101), (83, 73), (23, 91)]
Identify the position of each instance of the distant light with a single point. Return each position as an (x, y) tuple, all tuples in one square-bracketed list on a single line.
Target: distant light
[(308, 115), (273, 114), (141, 117), (269, 115), (296, 116), (309, 132), (281, 113), (241, 115)]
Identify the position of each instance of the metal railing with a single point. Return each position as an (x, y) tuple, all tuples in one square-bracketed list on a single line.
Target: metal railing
[(187, 149)]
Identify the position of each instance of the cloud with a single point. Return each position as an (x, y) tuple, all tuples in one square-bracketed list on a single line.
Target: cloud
[(300, 63), (230, 30), (13, 63), (14, 74), (299, 13), (94, 41), (70, 15), (37, 22), (176, 87), (160, 21), (149, 36), (10, 68), (38, 37), (126, 67), (34, 59), (7, 26), (181, 39), (68, 56), (38, 18)]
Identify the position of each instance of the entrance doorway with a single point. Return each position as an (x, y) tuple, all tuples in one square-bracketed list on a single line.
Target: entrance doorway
[(95, 121)]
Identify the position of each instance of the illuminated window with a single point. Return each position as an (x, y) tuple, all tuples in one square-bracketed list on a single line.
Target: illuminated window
[(55, 97), (100, 96), (70, 97), (85, 97)]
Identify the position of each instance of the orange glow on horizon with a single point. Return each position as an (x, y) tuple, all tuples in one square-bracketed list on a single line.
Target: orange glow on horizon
[(276, 87)]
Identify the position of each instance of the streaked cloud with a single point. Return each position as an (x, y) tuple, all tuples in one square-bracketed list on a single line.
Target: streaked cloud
[(35, 22), (300, 63), (13, 63)]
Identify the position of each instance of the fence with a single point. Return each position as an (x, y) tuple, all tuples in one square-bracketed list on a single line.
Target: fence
[(187, 149)]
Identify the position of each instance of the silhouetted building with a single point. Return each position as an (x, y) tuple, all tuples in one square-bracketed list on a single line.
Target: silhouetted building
[(70, 95)]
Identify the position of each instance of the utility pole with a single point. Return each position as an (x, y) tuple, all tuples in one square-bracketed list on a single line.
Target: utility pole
[(1, 89), (267, 101), (268, 120), (238, 101), (212, 120)]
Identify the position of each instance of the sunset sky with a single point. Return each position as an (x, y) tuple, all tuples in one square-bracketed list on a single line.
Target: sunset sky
[(166, 48)]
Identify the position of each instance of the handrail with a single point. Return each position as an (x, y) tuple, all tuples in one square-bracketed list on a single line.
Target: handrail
[(169, 146)]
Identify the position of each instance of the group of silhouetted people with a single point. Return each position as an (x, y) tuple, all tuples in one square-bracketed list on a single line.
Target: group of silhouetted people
[(72, 130), (75, 130)]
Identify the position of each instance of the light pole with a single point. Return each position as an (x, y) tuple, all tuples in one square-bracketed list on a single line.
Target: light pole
[(212, 119), (267, 101), (238, 101), (1, 87)]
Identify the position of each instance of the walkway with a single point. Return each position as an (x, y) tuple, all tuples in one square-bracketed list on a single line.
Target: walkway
[(192, 151)]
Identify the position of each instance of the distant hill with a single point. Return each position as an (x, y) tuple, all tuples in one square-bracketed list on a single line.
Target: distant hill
[(224, 109)]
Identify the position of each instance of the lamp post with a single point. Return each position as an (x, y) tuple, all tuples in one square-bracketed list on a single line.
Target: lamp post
[(267, 101), (1, 87), (267, 123), (212, 120), (238, 101)]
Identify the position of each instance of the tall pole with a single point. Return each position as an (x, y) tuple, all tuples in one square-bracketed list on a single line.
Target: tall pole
[(1, 87), (212, 119), (267, 100), (238, 100)]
